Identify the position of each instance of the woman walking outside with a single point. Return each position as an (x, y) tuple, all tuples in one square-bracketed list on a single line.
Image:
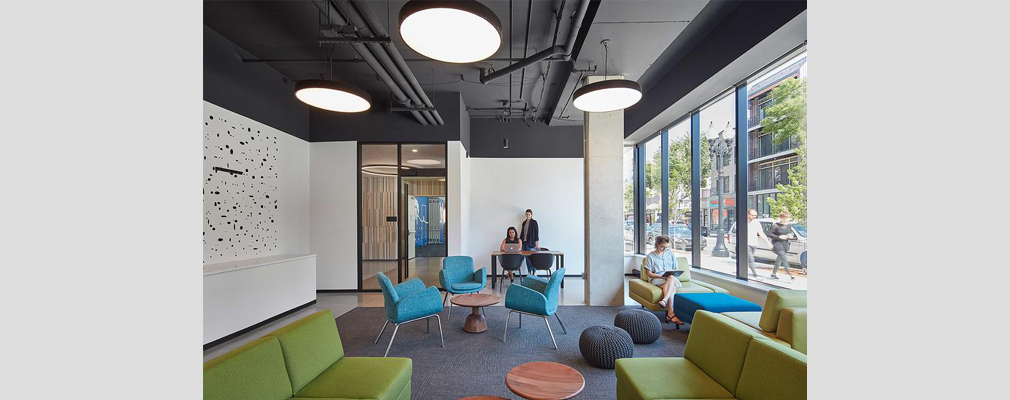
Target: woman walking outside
[(780, 233)]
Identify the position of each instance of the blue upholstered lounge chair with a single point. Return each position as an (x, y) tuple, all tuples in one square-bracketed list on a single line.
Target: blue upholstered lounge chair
[(535, 296), (408, 302), (458, 277)]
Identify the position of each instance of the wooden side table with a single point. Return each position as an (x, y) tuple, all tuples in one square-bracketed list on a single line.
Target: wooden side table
[(475, 322), (544, 380)]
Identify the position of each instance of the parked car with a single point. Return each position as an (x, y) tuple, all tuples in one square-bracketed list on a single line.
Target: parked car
[(797, 254), (679, 234)]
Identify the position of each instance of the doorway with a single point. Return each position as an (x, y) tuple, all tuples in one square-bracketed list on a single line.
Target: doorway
[(403, 226)]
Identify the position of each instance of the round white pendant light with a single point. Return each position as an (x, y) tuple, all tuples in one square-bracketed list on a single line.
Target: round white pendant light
[(332, 96), (606, 96), (424, 162), (451, 31)]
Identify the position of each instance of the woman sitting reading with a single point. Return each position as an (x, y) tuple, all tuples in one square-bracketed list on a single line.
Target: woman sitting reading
[(658, 262)]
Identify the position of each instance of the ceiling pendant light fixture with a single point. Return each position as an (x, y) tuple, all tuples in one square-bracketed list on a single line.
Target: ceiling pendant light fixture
[(607, 95), (333, 96), (452, 31)]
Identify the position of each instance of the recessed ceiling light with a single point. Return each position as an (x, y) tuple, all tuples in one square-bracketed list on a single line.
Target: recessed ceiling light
[(605, 96), (424, 161), (379, 169), (451, 31), (441, 179), (413, 150), (332, 96)]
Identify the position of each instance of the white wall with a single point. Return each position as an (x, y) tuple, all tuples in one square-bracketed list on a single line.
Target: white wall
[(458, 198), (334, 205), (263, 211), (501, 189)]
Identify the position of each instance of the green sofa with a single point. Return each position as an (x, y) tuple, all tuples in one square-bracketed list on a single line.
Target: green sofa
[(783, 318), (304, 360), (723, 359), (649, 295)]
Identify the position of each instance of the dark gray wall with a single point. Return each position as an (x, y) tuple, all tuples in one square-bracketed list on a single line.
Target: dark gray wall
[(699, 54), (380, 125), (256, 91), (538, 141)]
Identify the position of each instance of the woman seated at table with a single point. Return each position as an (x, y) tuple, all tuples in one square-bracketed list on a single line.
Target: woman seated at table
[(511, 236), (658, 262)]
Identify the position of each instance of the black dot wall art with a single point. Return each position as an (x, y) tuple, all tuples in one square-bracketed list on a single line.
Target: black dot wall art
[(240, 198)]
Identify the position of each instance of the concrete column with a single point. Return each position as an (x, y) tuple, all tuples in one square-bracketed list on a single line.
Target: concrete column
[(604, 206)]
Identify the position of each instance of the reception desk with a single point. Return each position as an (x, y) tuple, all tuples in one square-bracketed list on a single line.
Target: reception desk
[(241, 294)]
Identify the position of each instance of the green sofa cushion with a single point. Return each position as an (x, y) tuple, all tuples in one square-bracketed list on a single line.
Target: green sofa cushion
[(362, 378), (793, 328), (775, 302), (749, 318), (718, 345), (664, 378), (310, 346), (773, 372), (254, 371)]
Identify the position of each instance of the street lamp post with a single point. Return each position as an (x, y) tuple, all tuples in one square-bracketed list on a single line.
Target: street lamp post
[(720, 151)]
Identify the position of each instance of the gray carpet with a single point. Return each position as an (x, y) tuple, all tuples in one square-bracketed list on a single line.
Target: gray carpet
[(476, 364)]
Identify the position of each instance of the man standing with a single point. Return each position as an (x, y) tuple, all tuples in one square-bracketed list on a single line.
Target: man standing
[(755, 235), (530, 236)]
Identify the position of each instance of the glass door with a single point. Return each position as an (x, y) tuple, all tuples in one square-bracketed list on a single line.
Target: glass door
[(379, 229), (424, 230)]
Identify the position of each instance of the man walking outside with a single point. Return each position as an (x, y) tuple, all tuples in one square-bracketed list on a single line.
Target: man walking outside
[(755, 235), (530, 236)]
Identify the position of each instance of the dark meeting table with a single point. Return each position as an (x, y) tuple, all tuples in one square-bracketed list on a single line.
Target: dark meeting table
[(559, 262)]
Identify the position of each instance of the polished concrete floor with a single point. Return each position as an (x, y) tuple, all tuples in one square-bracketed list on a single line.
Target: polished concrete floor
[(340, 303)]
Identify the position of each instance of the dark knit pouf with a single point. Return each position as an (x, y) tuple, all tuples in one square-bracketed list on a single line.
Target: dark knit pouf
[(643, 326), (602, 345)]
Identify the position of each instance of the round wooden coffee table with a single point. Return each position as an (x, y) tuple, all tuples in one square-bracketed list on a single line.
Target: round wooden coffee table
[(544, 380), (475, 322)]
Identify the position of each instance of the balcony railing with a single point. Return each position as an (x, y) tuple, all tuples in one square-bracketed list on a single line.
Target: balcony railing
[(765, 146)]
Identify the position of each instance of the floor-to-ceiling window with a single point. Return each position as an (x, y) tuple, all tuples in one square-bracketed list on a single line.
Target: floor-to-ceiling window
[(759, 168), (777, 166), (629, 199), (718, 196), (653, 190), (678, 213)]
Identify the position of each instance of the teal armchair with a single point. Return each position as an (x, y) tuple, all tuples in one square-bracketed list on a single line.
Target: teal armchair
[(537, 297), (408, 302), (458, 277)]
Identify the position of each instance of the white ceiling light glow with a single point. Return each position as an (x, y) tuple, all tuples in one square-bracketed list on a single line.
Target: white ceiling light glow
[(451, 31), (332, 96), (606, 96), (424, 161)]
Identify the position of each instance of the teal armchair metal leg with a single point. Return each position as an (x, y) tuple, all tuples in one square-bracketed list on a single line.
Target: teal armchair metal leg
[(509, 316), (396, 327), (381, 330), (562, 323)]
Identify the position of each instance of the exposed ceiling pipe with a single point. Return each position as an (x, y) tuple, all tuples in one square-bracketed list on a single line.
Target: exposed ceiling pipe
[(574, 31), (380, 53), (565, 52), (365, 13), (526, 47), (334, 15), (543, 55)]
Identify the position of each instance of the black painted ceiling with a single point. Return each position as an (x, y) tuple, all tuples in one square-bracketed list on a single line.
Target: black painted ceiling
[(639, 30)]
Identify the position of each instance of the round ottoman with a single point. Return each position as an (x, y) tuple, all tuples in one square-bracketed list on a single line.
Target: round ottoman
[(643, 326), (602, 345)]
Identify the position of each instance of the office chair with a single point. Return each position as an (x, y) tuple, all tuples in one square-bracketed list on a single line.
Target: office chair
[(541, 261), (509, 262)]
